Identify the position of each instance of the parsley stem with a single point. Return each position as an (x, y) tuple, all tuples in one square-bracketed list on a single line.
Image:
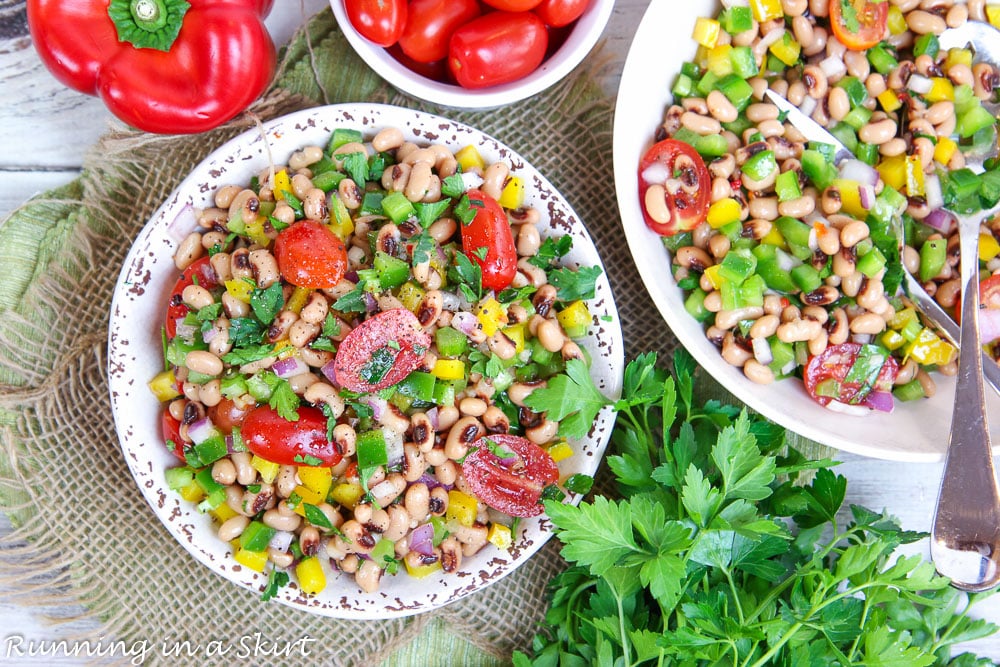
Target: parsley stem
[(735, 592)]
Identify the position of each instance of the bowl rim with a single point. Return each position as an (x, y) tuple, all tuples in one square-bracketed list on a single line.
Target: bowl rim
[(578, 44), (150, 260)]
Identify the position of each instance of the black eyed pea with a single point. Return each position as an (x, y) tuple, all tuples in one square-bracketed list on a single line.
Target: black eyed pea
[(878, 132), (308, 155), (224, 472), (259, 365), (843, 264), (535, 276), (246, 205), (850, 285), (414, 464), (446, 473), (818, 344), (188, 251), (275, 519), (570, 350), (442, 229), (211, 393), (192, 392), (424, 155), (358, 539), (451, 554), (867, 323), (727, 319), (233, 527), (496, 420), (234, 499), (394, 420), (693, 258), (322, 392), (239, 264), (350, 194), (773, 304), (197, 297), (417, 502), (948, 292), (719, 245), (315, 310), (733, 353), (404, 150), (203, 361), (435, 456), (377, 522), (176, 408), (246, 474), (907, 372), (713, 301), (430, 308), (349, 564), (447, 416), (314, 204), (224, 196), (703, 125), (698, 105), (817, 313), (757, 372), (309, 541), (721, 108), (519, 391), (821, 296), (529, 240), (399, 523), (221, 264), (301, 333), (286, 481), (260, 500), (927, 383), (280, 558), (763, 208), (281, 325), (765, 326), (461, 435), (828, 240), (501, 345), (437, 503), (472, 406), (893, 147), (494, 179), (419, 181), (433, 191), (799, 207), (394, 178), (421, 431), (471, 536), (923, 22), (315, 358), (871, 294), (284, 212), (213, 239), (543, 433), (264, 267), (544, 299), (551, 335), (346, 439), (387, 139), (301, 184), (798, 330), (761, 185)]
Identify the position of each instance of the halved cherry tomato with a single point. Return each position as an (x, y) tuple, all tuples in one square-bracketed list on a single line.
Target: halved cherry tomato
[(678, 169), (378, 21), (310, 255), (430, 24), (226, 414), (381, 351), (511, 484), (491, 230), (557, 13), (272, 437), (512, 5), (859, 24), (835, 363), (199, 270), (172, 434), (989, 292), (496, 48)]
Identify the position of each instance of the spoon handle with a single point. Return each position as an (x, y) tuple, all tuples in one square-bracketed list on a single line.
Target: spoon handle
[(965, 538)]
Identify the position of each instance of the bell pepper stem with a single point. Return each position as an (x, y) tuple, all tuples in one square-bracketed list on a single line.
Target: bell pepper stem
[(148, 24)]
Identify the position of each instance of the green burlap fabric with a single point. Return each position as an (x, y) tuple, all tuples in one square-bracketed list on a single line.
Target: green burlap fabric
[(85, 536)]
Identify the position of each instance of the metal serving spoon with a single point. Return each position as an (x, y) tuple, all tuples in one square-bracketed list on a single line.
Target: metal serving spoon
[(965, 537)]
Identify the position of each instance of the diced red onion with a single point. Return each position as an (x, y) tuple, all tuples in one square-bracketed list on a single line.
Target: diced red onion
[(351, 276), (330, 373), (208, 334), (762, 350), (182, 224), (866, 193), (941, 220), (989, 324), (422, 539), (201, 430), (879, 400), (920, 84), (185, 331), (770, 38), (465, 322), (281, 540), (808, 105), (289, 367), (656, 173), (450, 301), (844, 408), (432, 416), (377, 405), (856, 170), (393, 447), (371, 304), (833, 67), (383, 488), (471, 180), (932, 191)]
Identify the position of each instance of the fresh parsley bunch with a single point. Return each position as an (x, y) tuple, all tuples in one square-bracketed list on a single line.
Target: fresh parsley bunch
[(718, 553)]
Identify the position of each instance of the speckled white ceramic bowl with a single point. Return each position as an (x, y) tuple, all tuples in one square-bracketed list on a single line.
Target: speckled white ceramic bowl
[(571, 53), (134, 354)]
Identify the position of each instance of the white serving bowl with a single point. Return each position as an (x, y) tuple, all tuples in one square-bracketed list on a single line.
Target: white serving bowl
[(916, 431), (578, 44), (135, 354)]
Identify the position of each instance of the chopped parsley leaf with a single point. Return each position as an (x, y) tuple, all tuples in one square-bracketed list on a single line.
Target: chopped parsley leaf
[(427, 213), (248, 354), (378, 365), (551, 251), (453, 186), (572, 285), (267, 303), (316, 517), (356, 166), (464, 210), (468, 275), (307, 460), (276, 579)]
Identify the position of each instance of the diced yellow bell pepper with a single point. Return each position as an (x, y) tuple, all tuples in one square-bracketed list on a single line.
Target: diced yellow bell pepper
[(193, 493), (517, 334), (575, 319), (308, 496), (347, 493), (988, 247), (512, 195), (896, 21), (469, 158), (719, 60), (774, 238), (421, 571), (448, 369), (723, 212), (223, 513), (268, 469), (914, 176), (941, 89), (500, 536), (928, 348), (491, 314), (298, 299), (903, 318), (282, 184), (945, 149), (341, 222), (310, 574), (993, 15), (889, 101), (712, 273), (893, 171), (316, 479), (892, 339), (765, 10), (850, 198), (462, 508), (255, 231), (283, 349), (706, 31), (560, 451), (786, 49), (255, 560), (958, 56), (164, 386), (411, 295), (240, 289)]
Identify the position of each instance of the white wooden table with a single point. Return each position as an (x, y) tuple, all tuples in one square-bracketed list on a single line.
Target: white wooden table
[(46, 128)]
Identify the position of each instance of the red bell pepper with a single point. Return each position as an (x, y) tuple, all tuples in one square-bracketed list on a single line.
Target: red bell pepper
[(166, 66)]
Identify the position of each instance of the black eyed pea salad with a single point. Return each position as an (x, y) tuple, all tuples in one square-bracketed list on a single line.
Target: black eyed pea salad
[(791, 259), (359, 361)]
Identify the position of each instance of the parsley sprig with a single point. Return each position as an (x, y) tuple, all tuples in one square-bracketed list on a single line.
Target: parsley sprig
[(718, 552)]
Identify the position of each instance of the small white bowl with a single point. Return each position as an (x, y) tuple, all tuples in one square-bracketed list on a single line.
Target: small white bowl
[(578, 44)]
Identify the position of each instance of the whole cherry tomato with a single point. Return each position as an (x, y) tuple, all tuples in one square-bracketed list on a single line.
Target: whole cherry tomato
[(381, 351), (171, 429), (557, 13), (509, 473), (310, 255), (859, 25), (512, 5), (430, 24), (226, 415), (272, 437), (496, 48), (490, 230), (835, 363), (201, 271), (683, 187), (378, 21)]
